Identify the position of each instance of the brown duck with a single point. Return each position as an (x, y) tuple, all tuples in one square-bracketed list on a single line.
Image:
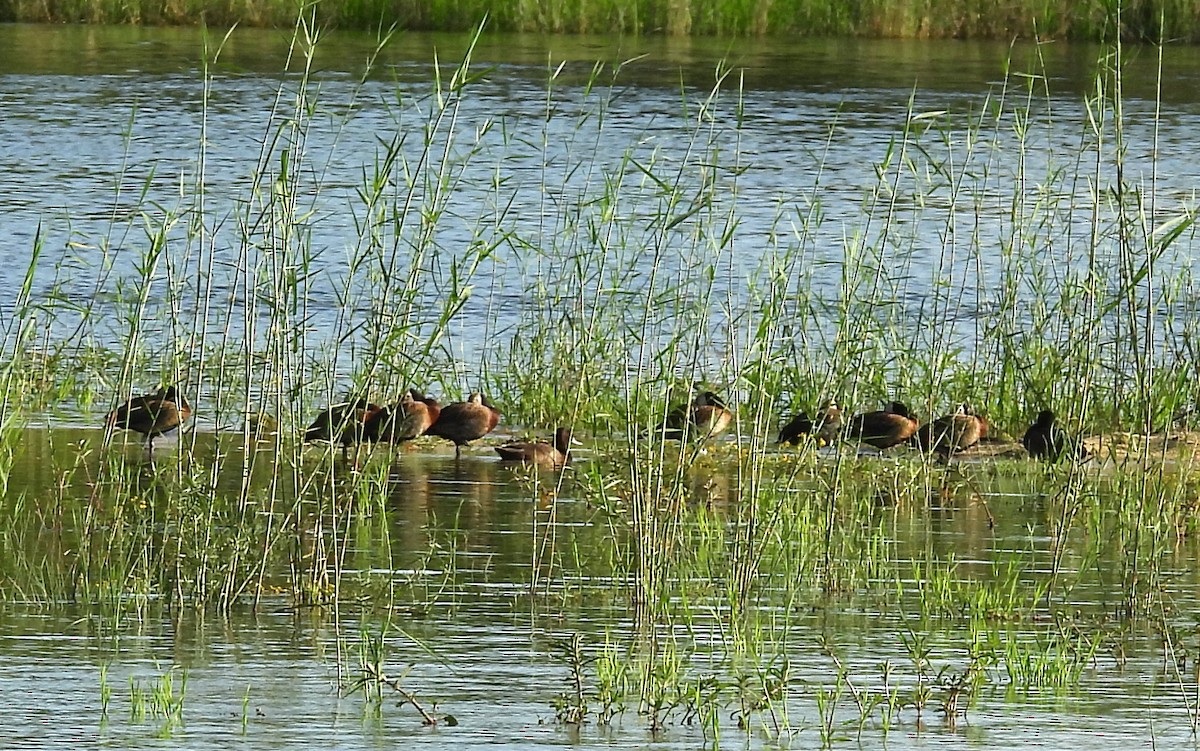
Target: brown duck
[(952, 434), (557, 454), (463, 422), (151, 414), (883, 428), (703, 416), (342, 423), (824, 429), (403, 421)]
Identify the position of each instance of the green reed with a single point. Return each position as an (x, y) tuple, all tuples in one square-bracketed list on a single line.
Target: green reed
[(734, 545), (161, 699)]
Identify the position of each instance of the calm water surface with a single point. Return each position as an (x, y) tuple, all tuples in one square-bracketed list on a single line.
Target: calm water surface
[(98, 125), (104, 125), (468, 634)]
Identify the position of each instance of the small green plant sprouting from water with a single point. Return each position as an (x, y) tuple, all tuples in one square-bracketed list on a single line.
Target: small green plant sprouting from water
[(105, 693), (765, 692), (246, 709), (1056, 659), (611, 680), (373, 679), (161, 699), (571, 706)]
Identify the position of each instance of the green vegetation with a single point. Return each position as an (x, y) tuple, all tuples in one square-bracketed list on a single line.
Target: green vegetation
[(714, 569), (1143, 20)]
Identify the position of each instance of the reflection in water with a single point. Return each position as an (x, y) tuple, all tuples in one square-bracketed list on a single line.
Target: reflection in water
[(472, 579)]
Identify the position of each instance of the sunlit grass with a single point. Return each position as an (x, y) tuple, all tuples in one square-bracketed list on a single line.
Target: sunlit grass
[(718, 554), (897, 18)]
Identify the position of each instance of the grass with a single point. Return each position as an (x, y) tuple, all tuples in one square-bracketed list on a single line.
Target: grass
[(717, 570), (1145, 20), (160, 700)]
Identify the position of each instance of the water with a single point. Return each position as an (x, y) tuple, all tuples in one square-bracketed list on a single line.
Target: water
[(478, 582), (92, 117), (103, 126)]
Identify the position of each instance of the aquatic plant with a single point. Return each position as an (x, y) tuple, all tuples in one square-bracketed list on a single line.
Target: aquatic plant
[(1141, 21), (714, 564)]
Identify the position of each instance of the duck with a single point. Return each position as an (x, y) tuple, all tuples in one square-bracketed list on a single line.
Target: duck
[(954, 433), (557, 454), (1047, 441), (261, 425), (405, 420), (883, 428), (824, 429), (703, 416), (151, 414), (342, 423), (463, 422)]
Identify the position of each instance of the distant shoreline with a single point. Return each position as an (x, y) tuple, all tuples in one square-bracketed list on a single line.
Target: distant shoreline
[(1146, 21)]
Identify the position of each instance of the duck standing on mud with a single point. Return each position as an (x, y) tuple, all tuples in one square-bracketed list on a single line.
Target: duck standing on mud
[(342, 423), (883, 428), (405, 420), (824, 429), (952, 434), (151, 414), (463, 422)]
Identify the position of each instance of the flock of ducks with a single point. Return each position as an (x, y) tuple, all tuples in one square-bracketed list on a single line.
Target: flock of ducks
[(359, 421), (703, 416), (946, 436)]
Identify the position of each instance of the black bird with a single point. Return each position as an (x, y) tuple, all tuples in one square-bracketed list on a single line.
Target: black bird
[(824, 429), (1045, 440), (151, 414)]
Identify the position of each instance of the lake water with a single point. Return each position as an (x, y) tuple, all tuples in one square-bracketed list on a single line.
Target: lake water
[(479, 582), (102, 132), (116, 136)]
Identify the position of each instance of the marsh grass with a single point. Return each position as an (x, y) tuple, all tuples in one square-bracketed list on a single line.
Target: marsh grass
[(1146, 20), (161, 699), (631, 289)]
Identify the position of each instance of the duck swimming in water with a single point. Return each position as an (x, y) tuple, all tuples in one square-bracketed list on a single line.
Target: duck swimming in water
[(703, 416), (557, 454)]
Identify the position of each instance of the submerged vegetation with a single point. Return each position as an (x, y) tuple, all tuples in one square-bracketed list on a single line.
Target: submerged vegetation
[(719, 571), (1142, 20)]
